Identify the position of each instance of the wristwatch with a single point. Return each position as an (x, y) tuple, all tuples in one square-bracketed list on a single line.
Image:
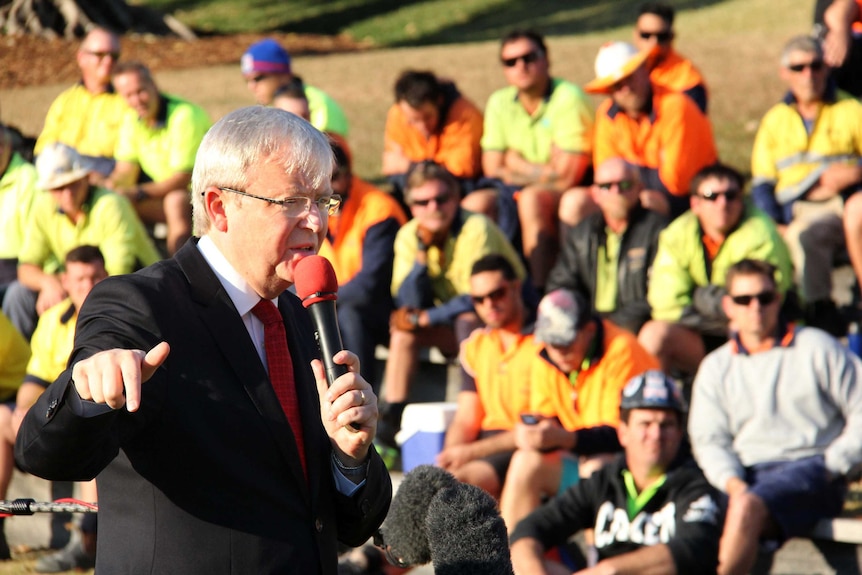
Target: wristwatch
[(413, 318)]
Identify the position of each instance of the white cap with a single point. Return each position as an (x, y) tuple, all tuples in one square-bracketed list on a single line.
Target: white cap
[(59, 165)]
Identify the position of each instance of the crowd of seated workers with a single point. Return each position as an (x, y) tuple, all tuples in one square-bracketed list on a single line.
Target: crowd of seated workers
[(592, 270)]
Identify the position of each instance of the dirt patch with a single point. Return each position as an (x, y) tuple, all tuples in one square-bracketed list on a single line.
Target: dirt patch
[(31, 61)]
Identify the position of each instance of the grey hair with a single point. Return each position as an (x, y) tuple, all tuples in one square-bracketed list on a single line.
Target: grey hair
[(243, 139), (807, 44)]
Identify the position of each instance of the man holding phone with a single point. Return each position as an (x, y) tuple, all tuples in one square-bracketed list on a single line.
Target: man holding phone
[(576, 381), (495, 389)]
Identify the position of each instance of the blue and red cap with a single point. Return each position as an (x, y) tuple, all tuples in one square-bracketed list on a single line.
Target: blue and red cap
[(267, 57)]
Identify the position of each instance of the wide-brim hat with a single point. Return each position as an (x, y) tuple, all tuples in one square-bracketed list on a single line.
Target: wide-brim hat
[(615, 61), (59, 165)]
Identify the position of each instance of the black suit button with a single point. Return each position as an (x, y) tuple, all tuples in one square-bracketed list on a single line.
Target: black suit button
[(52, 407), (318, 525)]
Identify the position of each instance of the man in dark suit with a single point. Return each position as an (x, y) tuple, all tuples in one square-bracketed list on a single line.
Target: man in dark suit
[(169, 401)]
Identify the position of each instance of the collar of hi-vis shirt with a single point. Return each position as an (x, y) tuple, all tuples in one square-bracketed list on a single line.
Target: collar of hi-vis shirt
[(784, 335)]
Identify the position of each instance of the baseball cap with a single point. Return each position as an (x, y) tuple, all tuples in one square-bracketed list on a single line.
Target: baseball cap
[(266, 56), (653, 389), (615, 61), (59, 165), (561, 313)]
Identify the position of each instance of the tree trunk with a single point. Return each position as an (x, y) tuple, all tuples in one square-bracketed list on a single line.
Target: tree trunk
[(72, 18)]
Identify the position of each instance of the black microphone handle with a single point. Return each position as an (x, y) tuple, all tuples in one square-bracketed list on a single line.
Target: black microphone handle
[(328, 337)]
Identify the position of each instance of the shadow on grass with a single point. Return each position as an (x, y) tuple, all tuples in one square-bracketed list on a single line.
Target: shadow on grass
[(481, 22), (550, 17)]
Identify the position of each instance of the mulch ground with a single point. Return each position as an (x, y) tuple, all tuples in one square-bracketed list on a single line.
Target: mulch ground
[(31, 61)]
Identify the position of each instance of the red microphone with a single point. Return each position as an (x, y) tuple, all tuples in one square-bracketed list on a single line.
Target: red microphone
[(317, 287)]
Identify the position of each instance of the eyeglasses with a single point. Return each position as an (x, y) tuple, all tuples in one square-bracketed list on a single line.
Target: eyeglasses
[(102, 55), (494, 296), (298, 206), (814, 66), (440, 200), (623, 185), (729, 195), (528, 58), (660, 37), (763, 298)]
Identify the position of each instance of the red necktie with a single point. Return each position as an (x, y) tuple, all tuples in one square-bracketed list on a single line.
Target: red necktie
[(281, 369)]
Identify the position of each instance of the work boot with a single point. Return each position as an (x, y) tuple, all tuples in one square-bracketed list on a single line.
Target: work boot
[(72, 556)]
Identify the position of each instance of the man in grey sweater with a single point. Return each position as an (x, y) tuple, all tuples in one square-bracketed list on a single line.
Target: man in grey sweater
[(776, 420)]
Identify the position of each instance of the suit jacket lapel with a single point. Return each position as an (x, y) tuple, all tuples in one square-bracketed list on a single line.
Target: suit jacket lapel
[(228, 331)]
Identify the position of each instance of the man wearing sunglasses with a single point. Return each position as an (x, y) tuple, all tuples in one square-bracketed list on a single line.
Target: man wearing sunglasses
[(775, 421), (668, 69), (664, 133), (495, 379), (806, 164), (87, 116), (434, 253), (537, 141), (688, 275), (608, 256)]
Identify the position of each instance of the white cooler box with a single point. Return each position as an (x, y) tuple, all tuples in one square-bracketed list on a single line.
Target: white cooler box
[(423, 428)]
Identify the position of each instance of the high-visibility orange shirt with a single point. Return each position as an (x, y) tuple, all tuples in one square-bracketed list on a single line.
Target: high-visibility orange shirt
[(594, 397), (365, 207), (501, 378), (677, 74), (673, 138), (455, 145)]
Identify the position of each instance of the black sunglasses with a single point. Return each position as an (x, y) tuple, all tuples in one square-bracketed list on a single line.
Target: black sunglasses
[(661, 37), (729, 195), (623, 185), (102, 55), (494, 296), (528, 58), (763, 298), (439, 200), (815, 66)]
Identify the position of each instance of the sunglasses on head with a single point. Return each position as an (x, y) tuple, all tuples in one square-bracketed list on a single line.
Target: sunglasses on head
[(439, 200), (528, 58), (494, 296), (763, 298), (661, 37), (729, 195), (815, 66), (623, 185)]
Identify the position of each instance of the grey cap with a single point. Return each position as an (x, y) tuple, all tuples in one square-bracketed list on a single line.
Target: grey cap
[(653, 390), (561, 314)]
